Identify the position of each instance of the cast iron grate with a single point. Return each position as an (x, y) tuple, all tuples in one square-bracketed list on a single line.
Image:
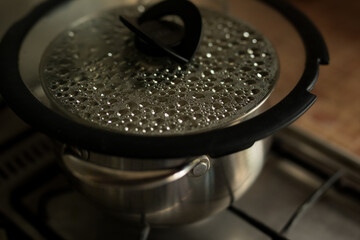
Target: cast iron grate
[(306, 205), (21, 157)]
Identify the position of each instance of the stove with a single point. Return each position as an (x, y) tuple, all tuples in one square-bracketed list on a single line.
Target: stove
[(307, 190)]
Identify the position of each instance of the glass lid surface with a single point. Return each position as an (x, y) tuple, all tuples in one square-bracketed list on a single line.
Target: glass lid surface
[(94, 73)]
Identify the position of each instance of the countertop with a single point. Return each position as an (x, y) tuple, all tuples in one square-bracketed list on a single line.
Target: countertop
[(335, 116)]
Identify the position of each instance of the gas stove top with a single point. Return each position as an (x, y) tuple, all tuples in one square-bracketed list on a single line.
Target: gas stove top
[(305, 191)]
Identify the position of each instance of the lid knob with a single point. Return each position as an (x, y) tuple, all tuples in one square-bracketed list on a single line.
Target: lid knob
[(157, 36)]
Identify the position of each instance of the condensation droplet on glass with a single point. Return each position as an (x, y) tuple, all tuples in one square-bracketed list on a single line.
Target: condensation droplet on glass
[(141, 8)]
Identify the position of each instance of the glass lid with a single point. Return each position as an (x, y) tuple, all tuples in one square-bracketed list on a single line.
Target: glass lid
[(71, 70), (94, 73)]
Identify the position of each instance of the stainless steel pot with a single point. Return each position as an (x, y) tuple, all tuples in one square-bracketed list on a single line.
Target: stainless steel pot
[(167, 192), (163, 191)]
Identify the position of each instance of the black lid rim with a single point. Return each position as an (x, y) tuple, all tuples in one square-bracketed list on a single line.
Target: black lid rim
[(217, 142)]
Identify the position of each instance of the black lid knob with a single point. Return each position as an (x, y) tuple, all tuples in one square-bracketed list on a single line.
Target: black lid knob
[(157, 36)]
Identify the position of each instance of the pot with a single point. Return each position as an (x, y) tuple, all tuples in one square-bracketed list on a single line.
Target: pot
[(165, 191), (161, 174), (168, 192)]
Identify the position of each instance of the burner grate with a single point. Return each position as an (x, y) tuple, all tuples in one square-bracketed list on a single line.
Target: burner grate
[(297, 214), (21, 157)]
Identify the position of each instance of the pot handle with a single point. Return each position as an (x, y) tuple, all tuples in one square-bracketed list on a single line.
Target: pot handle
[(100, 176)]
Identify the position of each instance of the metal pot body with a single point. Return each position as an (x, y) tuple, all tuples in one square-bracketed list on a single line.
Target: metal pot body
[(165, 192)]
